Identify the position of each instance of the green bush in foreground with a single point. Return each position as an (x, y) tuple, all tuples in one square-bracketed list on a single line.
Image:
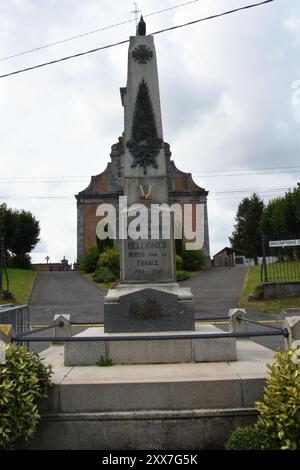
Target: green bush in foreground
[(278, 424), (279, 407), (251, 438), (24, 380)]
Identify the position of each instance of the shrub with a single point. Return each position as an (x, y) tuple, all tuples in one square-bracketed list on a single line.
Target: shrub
[(251, 438), (179, 262), (279, 407), (105, 243), (23, 382), (110, 259), (193, 260), (88, 263), (104, 274), (182, 276)]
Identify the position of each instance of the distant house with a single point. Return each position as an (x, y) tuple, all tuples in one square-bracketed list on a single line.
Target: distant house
[(229, 258), (62, 266)]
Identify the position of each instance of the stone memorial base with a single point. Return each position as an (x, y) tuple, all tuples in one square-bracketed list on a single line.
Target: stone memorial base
[(150, 351), (148, 307), (161, 406)]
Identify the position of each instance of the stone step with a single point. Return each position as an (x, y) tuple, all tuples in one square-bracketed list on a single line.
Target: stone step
[(184, 429), (160, 386)]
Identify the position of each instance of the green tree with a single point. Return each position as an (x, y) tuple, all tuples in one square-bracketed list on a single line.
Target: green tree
[(281, 216), (246, 235), (20, 231)]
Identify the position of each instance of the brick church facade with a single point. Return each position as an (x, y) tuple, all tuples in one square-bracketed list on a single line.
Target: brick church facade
[(143, 133), (108, 186)]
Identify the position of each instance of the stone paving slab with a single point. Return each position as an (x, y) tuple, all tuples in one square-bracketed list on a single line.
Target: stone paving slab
[(252, 360)]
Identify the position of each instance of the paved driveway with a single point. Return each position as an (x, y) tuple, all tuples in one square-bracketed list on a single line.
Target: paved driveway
[(215, 290), (65, 292)]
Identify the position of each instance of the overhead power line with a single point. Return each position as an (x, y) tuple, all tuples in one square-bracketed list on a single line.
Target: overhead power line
[(211, 198), (247, 169), (217, 192), (77, 36), (246, 174), (194, 174), (203, 174), (108, 46)]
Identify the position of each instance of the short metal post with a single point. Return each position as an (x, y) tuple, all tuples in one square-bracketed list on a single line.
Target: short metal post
[(236, 325), (6, 333), (1, 262), (62, 325), (292, 324), (264, 261)]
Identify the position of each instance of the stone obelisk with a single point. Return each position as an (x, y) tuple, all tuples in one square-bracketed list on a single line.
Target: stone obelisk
[(145, 179), (147, 297)]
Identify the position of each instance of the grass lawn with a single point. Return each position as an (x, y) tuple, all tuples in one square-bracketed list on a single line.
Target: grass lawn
[(252, 279), (20, 284)]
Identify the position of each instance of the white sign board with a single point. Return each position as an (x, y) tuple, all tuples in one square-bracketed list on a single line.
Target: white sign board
[(282, 243)]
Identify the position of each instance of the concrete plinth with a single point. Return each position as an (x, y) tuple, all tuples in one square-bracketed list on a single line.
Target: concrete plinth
[(148, 307), (151, 351), (162, 406)]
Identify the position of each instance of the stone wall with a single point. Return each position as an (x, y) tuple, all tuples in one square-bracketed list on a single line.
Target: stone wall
[(276, 290)]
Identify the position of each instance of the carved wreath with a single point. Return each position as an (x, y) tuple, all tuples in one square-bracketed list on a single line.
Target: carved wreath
[(144, 144)]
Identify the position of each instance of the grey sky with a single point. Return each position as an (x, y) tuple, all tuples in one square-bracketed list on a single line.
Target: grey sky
[(226, 95)]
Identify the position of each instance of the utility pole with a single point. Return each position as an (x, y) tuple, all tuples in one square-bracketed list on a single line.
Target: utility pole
[(3, 292)]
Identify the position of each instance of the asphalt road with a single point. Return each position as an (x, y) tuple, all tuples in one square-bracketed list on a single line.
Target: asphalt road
[(65, 292), (215, 290)]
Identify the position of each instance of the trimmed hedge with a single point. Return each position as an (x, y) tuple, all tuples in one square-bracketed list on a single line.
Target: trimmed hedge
[(251, 438)]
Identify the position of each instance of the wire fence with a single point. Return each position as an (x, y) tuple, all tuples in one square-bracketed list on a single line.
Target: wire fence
[(281, 259), (30, 335), (18, 317)]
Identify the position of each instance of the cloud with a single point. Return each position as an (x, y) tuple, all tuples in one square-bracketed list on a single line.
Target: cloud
[(292, 24), (41, 248)]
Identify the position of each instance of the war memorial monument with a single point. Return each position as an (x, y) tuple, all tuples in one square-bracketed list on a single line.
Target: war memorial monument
[(174, 384)]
